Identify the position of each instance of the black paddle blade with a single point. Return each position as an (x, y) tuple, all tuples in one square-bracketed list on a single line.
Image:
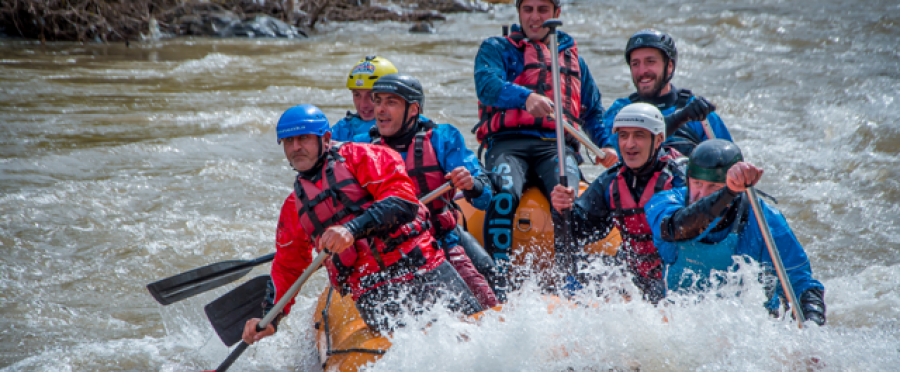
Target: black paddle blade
[(229, 313), (184, 285)]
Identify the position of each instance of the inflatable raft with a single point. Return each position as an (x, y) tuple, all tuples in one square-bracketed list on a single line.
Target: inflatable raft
[(344, 341)]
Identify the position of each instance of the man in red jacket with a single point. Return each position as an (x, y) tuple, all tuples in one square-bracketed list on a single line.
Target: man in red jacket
[(356, 201)]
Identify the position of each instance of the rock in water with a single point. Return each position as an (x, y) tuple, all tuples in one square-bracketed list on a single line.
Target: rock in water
[(261, 25), (422, 28)]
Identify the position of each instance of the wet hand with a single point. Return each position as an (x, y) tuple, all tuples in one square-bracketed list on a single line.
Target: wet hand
[(336, 239), (562, 198), (250, 335), (611, 158), (742, 175), (461, 178), (538, 105)]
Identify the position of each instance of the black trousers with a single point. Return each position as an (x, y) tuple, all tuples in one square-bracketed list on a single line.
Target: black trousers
[(382, 308), (516, 162)]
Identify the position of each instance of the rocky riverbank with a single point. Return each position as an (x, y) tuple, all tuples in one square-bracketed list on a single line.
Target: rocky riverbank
[(124, 20)]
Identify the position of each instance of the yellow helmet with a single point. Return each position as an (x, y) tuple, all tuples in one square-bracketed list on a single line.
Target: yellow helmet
[(368, 70)]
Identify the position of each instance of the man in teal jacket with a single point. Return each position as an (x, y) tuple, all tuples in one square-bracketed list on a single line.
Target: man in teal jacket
[(355, 126), (701, 227)]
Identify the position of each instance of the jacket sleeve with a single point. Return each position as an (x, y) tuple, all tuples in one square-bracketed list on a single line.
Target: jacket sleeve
[(493, 78), (451, 151), (382, 173), (696, 219), (293, 251), (715, 122), (342, 131), (591, 220), (662, 206), (591, 106), (793, 256)]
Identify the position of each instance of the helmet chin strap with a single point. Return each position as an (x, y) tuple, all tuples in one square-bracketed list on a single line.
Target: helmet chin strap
[(402, 138), (406, 120), (666, 78)]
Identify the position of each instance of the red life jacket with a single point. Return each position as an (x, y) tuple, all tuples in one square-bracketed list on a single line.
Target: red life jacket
[(637, 238), (423, 167), (537, 77), (370, 263)]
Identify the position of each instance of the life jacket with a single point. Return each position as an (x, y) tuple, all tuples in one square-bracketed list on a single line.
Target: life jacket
[(423, 167), (700, 259), (537, 77), (372, 262), (629, 216)]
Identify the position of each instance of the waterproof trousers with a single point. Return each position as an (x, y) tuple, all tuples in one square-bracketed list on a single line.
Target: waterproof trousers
[(517, 161)]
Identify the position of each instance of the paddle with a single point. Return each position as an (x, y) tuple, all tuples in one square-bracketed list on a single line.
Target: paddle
[(275, 310), (561, 236), (770, 243), (574, 132), (227, 319), (196, 281), (229, 313)]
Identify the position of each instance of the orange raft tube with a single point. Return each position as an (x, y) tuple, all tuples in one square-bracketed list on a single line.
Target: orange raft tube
[(344, 341)]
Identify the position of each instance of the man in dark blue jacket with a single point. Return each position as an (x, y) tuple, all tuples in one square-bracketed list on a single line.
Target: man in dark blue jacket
[(700, 228), (514, 85), (652, 57)]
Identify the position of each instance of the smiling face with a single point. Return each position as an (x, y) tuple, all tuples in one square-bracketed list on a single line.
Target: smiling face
[(533, 14), (389, 110), (647, 72), (303, 151), (362, 100), (635, 146)]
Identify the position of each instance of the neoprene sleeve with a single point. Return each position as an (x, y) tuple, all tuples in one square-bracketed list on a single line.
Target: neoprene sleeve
[(691, 221), (383, 217), (478, 189)]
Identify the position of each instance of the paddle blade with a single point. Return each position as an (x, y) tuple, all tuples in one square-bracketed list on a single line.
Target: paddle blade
[(229, 313), (184, 285)]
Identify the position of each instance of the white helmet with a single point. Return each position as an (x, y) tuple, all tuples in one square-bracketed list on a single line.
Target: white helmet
[(640, 115)]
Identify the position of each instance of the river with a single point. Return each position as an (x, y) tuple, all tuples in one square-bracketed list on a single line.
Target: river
[(123, 165)]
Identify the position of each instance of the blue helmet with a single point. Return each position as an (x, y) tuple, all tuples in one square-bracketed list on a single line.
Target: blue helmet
[(300, 120)]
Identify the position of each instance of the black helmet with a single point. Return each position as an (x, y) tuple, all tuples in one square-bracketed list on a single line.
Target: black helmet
[(650, 38), (556, 3), (711, 160), (403, 85)]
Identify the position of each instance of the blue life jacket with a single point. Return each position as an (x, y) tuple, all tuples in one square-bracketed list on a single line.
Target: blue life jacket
[(694, 268)]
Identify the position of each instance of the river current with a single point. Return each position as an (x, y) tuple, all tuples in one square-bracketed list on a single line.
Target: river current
[(123, 165)]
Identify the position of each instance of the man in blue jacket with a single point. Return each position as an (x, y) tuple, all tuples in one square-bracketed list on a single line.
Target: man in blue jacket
[(700, 228), (652, 57), (513, 83), (435, 154), (355, 126)]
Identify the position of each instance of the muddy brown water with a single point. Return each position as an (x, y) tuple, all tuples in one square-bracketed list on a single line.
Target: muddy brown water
[(122, 165)]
